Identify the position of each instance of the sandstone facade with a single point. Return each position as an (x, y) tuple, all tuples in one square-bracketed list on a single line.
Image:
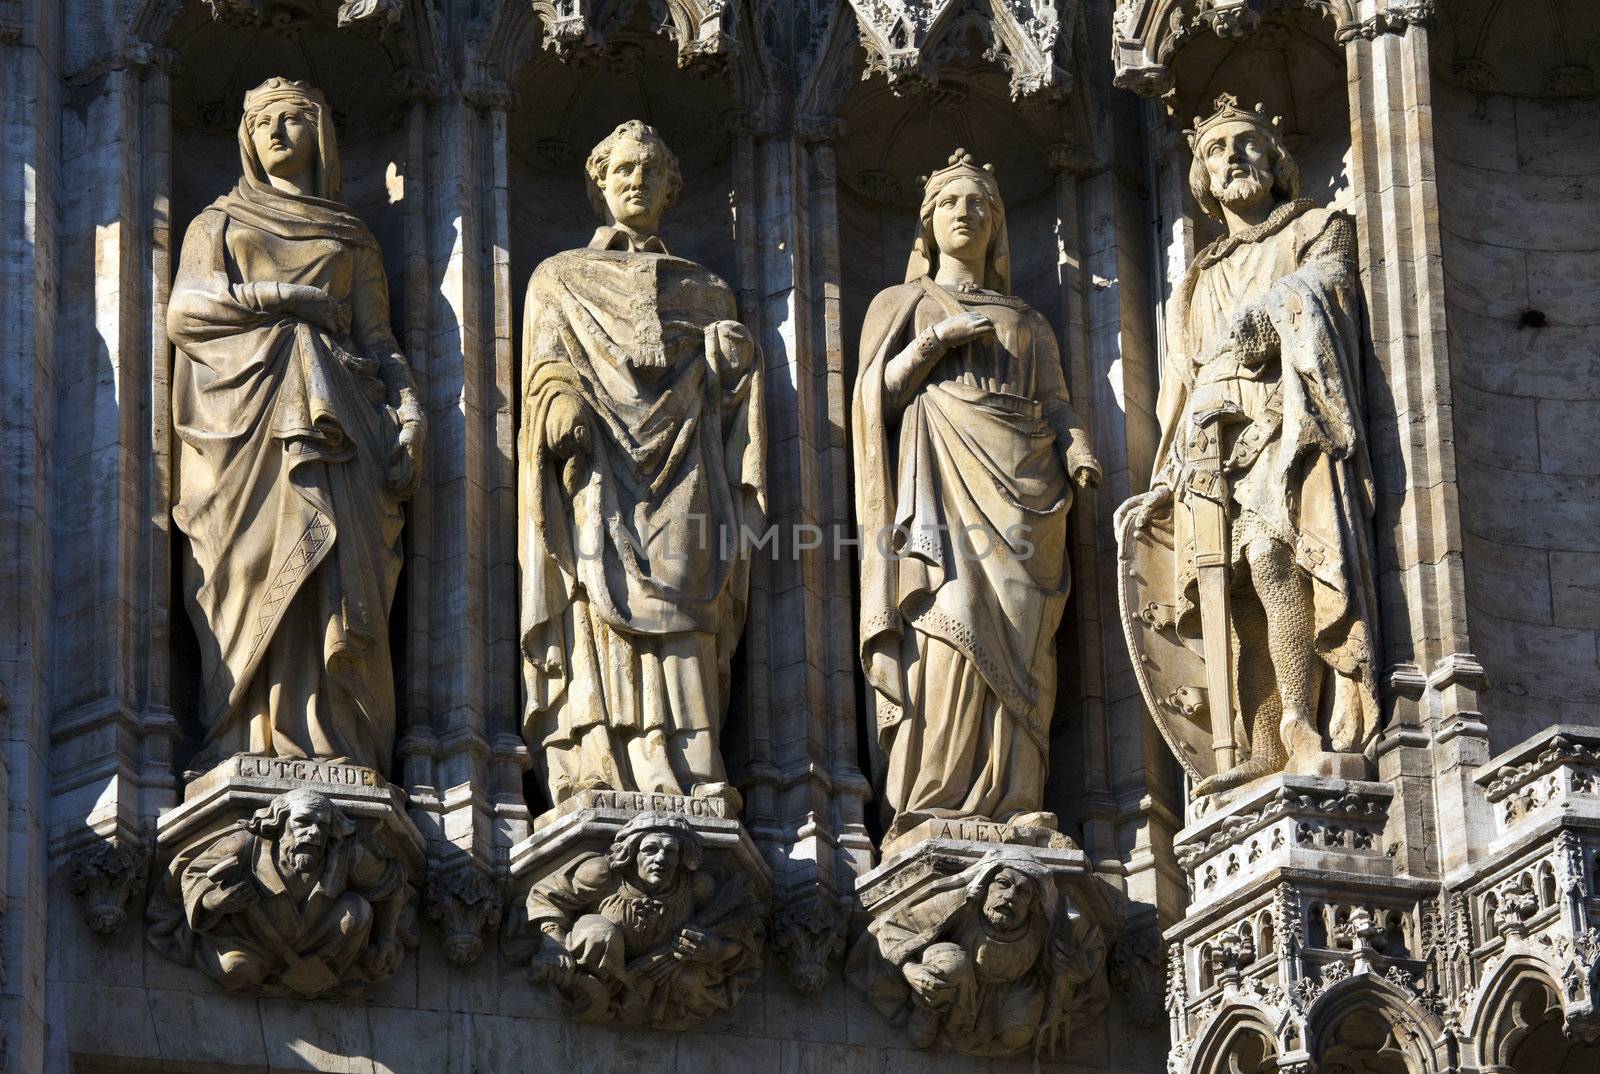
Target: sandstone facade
[(1427, 906)]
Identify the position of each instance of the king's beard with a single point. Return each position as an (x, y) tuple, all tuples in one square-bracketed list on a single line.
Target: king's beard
[(1244, 191)]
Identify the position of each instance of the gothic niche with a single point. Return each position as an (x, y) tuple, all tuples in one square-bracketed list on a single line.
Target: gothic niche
[(290, 867), (642, 400)]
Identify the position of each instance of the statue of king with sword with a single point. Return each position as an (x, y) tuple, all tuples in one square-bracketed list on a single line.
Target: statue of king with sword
[(1246, 571)]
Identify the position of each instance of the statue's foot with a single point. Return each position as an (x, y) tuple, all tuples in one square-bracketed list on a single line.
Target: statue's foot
[(1237, 776), (719, 789), (1035, 820)]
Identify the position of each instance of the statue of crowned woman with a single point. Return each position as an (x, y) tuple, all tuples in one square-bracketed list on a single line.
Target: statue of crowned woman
[(967, 452)]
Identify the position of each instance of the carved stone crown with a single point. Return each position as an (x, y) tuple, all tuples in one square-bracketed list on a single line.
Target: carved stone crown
[(1227, 110), (961, 163)]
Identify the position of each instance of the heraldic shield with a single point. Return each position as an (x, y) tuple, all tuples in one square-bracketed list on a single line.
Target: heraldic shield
[(1162, 629)]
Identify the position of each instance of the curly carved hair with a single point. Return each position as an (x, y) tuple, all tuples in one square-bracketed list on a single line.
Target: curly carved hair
[(600, 160), (272, 818), (1285, 173), (625, 845)]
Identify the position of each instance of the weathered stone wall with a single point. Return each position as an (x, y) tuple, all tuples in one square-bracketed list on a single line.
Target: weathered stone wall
[(1520, 231)]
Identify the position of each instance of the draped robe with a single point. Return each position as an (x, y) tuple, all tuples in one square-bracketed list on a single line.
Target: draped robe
[(962, 492), (634, 569), (284, 432)]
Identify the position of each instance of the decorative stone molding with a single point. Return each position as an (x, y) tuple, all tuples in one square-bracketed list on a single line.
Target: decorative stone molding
[(1553, 773), (1148, 34), (370, 18), (287, 877), (1281, 823), (465, 904), (107, 877), (489, 95), (639, 908), (1299, 912), (908, 42)]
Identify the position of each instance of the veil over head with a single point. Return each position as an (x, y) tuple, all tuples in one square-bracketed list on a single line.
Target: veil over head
[(284, 213), (924, 260)]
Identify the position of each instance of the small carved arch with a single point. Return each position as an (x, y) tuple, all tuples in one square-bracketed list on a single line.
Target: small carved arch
[(1268, 946), (1519, 996), (409, 31), (1489, 921), (1317, 931), (1548, 895), (1366, 1024), (1147, 35), (1239, 1037), (1207, 972), (712, 38), (1396, 939)]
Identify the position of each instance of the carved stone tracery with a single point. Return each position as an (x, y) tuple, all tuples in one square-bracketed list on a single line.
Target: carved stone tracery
[(909, 42), (578, 31)]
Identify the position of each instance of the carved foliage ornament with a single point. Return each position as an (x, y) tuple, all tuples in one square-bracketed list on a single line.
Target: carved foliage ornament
[(577, 31), (905, 41), (368, 17)]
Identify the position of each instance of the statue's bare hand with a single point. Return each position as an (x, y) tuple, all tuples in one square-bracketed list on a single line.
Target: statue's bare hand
[(320, 308), (405, 461), (695, 945), (961, 328), (567, 428), (732, 348), (927, 984), (1144, 507)]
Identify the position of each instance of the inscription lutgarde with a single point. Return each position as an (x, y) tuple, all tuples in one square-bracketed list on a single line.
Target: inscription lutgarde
[(967, 451), (300, 436), (1257, 528), (643, 445)]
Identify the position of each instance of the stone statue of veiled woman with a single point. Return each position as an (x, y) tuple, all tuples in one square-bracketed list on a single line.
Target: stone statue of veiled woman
[(966, 451), (300, 435)]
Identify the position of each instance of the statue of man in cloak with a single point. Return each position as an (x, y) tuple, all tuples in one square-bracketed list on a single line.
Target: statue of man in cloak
[(642, 472), (1261, 423)]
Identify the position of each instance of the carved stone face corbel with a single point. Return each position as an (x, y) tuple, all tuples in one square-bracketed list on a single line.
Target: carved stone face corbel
[(639, 908), (946, 909), (287, 877)]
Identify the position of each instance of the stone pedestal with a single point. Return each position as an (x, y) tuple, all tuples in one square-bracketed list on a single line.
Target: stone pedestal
[(1296, 901), (624, 928), (982, 945), (293, 877)]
